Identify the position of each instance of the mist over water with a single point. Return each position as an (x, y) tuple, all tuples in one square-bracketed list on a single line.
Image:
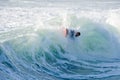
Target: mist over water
[(33, 46)]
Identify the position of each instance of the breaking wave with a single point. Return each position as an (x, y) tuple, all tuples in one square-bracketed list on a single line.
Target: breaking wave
[(32, 45)]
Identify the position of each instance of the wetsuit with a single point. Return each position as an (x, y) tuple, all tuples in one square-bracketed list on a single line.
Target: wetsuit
[(70, 33)]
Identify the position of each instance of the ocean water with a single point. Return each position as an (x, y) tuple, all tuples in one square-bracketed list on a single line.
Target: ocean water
[(33, 46)]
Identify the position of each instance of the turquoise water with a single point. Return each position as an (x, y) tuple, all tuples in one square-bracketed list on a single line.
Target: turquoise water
[(33, 47)]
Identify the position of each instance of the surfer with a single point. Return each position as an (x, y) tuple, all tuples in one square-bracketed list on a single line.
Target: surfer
[(71, 33)]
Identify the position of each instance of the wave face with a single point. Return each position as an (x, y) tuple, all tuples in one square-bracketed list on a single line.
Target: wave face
[(32, 45)]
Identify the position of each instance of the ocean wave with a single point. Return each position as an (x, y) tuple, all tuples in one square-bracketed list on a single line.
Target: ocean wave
[(32, 45)]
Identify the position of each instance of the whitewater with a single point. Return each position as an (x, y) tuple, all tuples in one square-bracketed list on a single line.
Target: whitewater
[(33, 46)]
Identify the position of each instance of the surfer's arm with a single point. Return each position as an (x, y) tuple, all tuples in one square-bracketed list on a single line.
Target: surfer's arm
[(65, 32)]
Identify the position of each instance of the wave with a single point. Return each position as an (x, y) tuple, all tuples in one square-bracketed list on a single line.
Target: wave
[(32, 45)]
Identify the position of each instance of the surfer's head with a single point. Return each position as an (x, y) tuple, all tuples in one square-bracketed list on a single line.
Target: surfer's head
[(77, 34)]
